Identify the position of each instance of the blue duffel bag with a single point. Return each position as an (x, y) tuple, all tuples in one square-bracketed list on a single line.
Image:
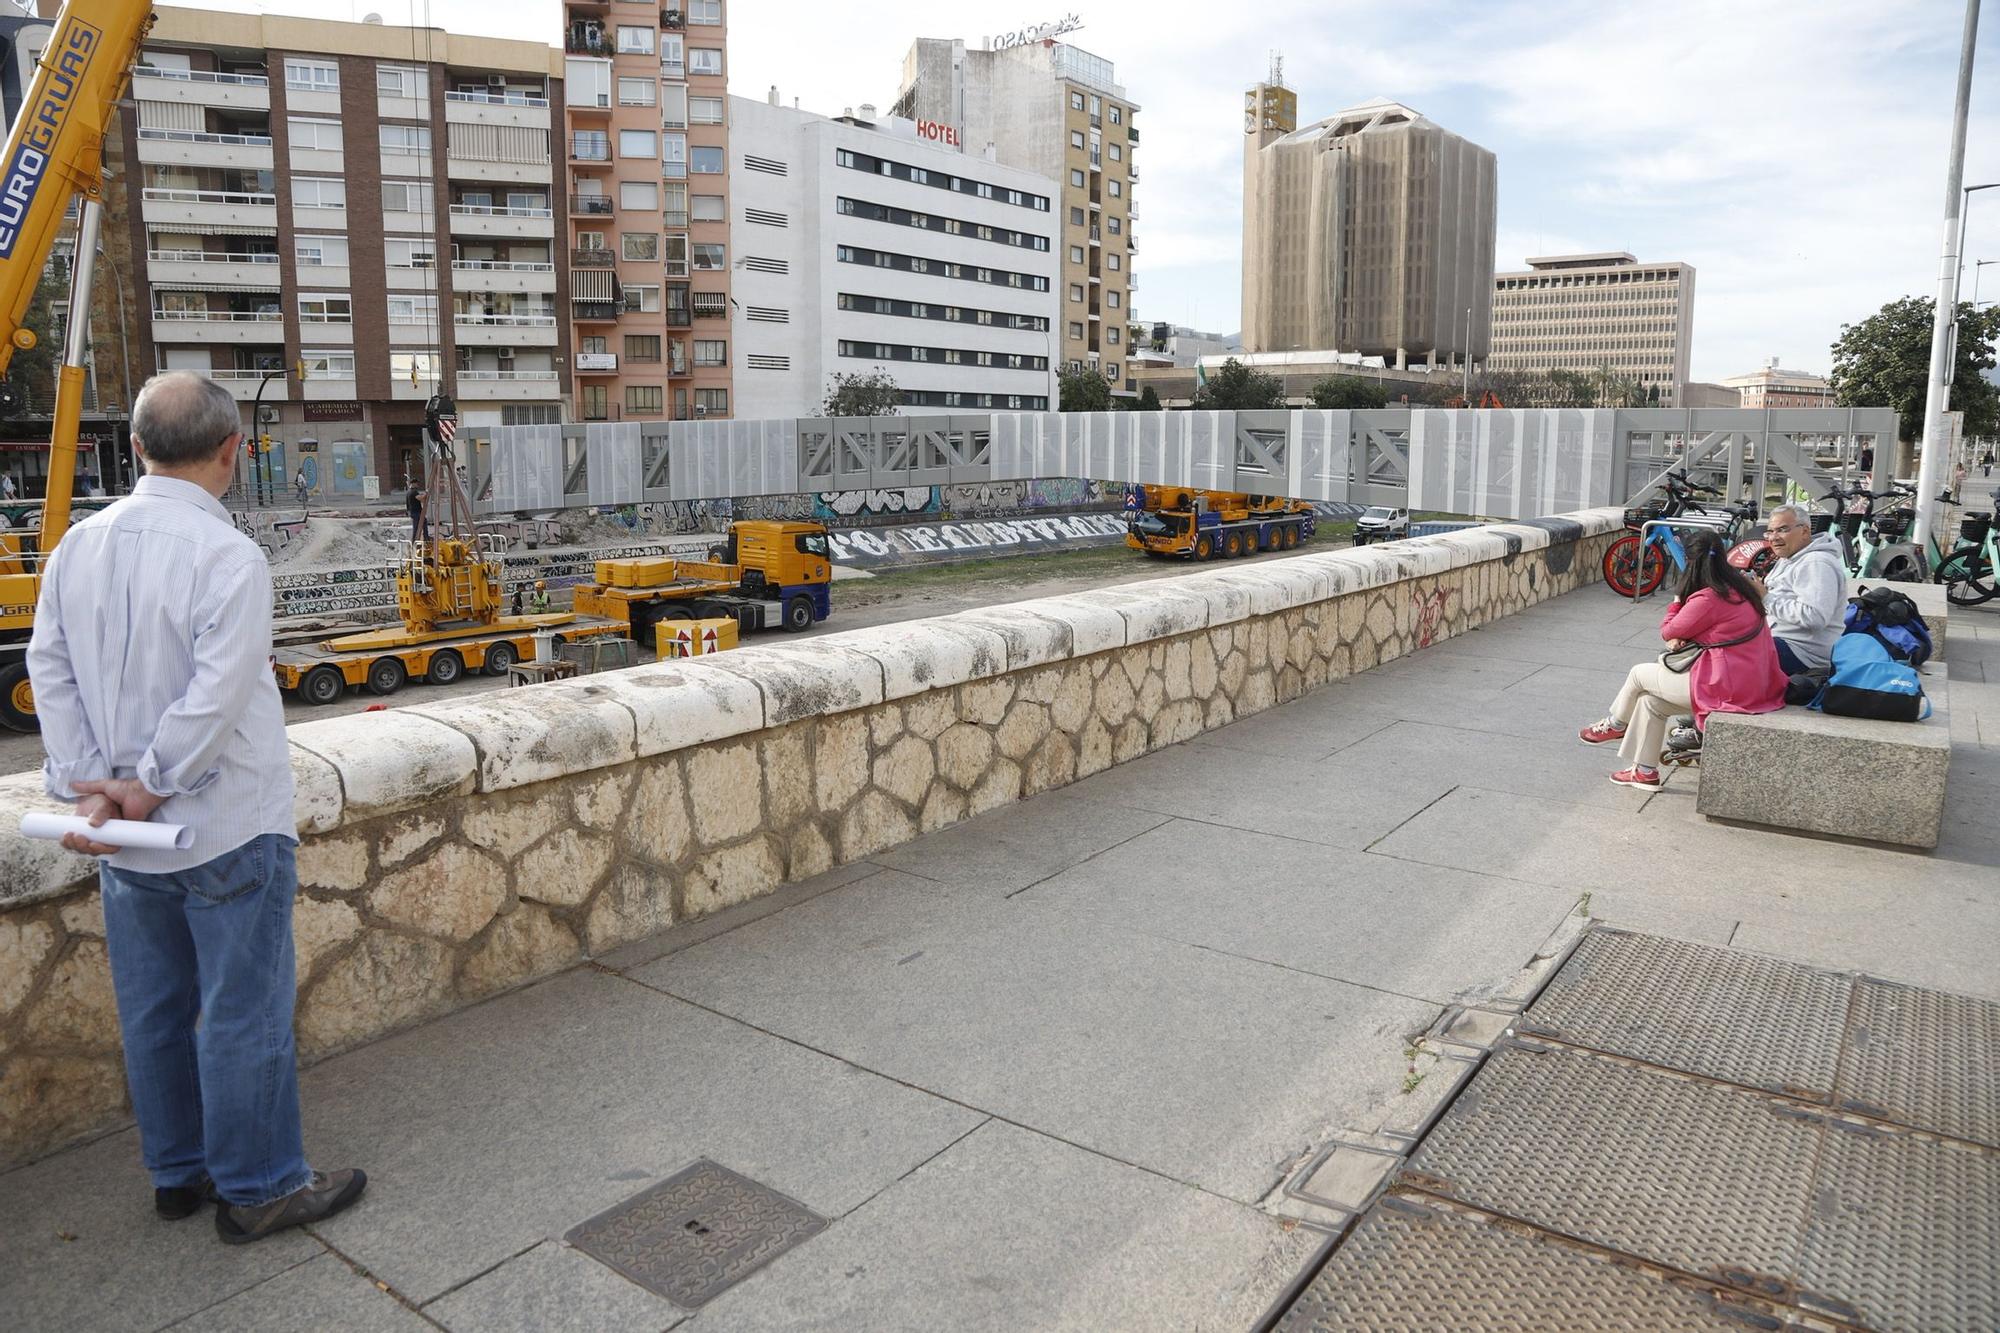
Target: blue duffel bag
[(1867, 682)]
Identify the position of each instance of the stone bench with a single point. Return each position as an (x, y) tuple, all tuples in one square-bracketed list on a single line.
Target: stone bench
[(1847, 776)]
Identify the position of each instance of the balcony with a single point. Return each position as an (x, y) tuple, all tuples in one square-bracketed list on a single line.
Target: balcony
[(197, 148), (504, 330), (201, 210), (597, 363), (588, 44), (1132, 133), (589, 148), (241, 92), (508, 386), (490, 169), (503, 275), (185, 267), (243, 384), (500, 221), (596, 312), (497, 108), (592, 259), (591, 206), (509, 98), (219, 326), (325, 332)]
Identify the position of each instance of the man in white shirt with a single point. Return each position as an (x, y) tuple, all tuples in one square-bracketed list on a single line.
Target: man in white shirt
[(153, 686)]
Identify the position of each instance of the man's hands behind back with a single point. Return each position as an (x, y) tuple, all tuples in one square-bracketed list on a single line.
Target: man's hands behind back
[(109, 798)]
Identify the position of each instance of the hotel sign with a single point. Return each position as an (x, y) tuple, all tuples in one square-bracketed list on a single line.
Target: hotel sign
[(944, 134), (1040, 32)]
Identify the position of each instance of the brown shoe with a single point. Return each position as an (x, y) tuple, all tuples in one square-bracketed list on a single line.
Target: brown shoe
[(326, 1194)]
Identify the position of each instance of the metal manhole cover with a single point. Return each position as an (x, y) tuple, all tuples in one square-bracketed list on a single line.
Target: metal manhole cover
[(1695, 1175), (1407, 1266), (1924, 1058), (696, 1233), (1742, 1018)]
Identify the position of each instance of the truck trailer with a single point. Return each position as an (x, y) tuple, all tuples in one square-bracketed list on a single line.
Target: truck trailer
[(768, 574), (1175, 522)]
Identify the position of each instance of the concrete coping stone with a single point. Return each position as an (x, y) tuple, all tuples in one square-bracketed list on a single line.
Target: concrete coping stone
[(352, 768)]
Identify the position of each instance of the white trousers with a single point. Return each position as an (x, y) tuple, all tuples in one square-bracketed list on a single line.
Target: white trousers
[(1651, 697)]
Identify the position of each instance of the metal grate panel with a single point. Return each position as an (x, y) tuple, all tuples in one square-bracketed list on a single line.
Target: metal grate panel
[(1701, 1177), (1924, 1058), (696, 1233), (1741, 1018), (1903, 1232), (1406, 1266)]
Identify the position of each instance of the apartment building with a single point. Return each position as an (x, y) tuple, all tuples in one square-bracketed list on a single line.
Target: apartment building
[(865, 247), (368, 203), (1588, 311), (1369, 232), (1771, 386), (646, 124), (1060, 112)]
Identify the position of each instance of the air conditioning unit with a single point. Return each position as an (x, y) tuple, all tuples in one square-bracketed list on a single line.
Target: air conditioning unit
[(496, 80), (504, 353), (700, 410)]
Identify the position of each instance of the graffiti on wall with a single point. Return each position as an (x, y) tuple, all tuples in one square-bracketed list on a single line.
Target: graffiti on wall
[(894, 502)]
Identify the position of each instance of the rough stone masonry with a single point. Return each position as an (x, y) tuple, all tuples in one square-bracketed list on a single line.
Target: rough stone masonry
[(452, 850)]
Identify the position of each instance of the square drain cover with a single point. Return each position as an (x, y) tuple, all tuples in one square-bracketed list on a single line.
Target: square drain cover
[(696, 1233)]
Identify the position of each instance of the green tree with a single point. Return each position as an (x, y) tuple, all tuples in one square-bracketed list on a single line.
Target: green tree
[(1885, 361), (1612, 389), (1349, 391), (32, 372), (1149, 399), (870, 394), (1237, 388), (1083, 388)]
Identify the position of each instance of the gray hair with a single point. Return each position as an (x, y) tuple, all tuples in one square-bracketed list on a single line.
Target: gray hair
[(183, 417), (1800, 514)]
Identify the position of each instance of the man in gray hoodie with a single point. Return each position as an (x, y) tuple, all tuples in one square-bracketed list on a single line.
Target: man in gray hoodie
[(1805, 592)]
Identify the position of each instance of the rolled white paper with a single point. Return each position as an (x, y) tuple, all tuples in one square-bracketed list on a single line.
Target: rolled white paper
[(136, 833)]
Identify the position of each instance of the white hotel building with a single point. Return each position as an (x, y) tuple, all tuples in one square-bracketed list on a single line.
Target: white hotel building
[(859, 246)]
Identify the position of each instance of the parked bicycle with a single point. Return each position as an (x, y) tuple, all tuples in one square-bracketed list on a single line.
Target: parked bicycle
[(1636, 563), (1968, 573), (1874, 541)]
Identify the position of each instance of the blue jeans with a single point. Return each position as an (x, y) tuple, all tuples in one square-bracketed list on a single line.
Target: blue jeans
[(1788, 661), (203, 968)]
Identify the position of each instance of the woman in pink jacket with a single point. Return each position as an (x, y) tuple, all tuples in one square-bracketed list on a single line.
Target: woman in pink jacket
[(1739, 673)]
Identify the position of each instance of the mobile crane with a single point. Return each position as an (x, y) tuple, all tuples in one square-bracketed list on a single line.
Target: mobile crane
[(54, 154), (448, 600), (1201, 525), (767, 574)]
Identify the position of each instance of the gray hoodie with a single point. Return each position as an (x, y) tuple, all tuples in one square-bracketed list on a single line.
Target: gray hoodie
[(1805, 597)]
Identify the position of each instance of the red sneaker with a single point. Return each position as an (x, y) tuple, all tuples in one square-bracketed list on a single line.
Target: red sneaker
[(1601, 732), (1633, 777)]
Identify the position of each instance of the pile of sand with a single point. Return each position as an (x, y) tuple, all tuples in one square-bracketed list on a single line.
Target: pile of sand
[(326, 542)]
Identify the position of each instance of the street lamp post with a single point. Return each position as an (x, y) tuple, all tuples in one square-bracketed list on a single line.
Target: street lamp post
[(260, 467), (1976, 266), (1944, 326)]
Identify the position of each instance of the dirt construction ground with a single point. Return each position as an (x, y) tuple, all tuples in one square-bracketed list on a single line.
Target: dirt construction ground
[(902, 594)]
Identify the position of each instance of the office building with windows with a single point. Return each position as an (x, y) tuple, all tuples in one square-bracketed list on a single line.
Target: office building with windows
[(1058, 111), (863, 247), (1770, 385), (369, 204), (647, 140), (1591, 311)]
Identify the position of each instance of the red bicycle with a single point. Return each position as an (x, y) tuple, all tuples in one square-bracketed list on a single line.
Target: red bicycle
[(1636, 563)]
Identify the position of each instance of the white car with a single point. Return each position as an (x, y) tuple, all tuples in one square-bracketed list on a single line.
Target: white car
[(1380, 523)]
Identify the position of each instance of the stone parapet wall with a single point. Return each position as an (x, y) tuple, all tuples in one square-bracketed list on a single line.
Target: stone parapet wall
[(453, 850)]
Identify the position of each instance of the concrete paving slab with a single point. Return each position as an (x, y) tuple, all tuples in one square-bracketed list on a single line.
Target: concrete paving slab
[(554, 1289), (1439, 935), (690, 933), (508, 1123), (1268, 793), (1637, 908), (1311, 728), (1506, 641), (80, 1246), (1898, 950), (1137, 1047), (321, 1293), (1012, 1230), (1005, 850), (1562, 768), (1575, 683), (1531, 715)]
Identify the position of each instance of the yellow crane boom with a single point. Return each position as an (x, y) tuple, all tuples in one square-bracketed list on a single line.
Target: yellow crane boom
[(54, 154)]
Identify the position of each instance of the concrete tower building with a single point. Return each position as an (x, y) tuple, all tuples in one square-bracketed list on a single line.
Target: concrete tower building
[(1369, 232), (1058, 111), (1584, 312), (648, 146)]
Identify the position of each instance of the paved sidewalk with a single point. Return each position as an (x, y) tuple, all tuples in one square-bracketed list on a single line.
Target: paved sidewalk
[(1047, 1069)]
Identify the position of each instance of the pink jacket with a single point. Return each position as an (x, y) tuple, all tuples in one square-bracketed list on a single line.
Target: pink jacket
[(1743, 678)]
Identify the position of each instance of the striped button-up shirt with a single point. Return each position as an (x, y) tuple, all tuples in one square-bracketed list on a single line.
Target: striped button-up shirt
[(151, 658)]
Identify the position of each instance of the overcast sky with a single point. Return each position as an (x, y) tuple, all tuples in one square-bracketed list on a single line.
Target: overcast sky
[(1791, 150)]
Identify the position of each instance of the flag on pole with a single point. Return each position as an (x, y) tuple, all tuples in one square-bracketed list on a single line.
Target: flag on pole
[(1200, 376)]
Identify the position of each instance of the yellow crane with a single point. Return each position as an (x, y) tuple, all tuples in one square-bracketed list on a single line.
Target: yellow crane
[(54, 155)]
